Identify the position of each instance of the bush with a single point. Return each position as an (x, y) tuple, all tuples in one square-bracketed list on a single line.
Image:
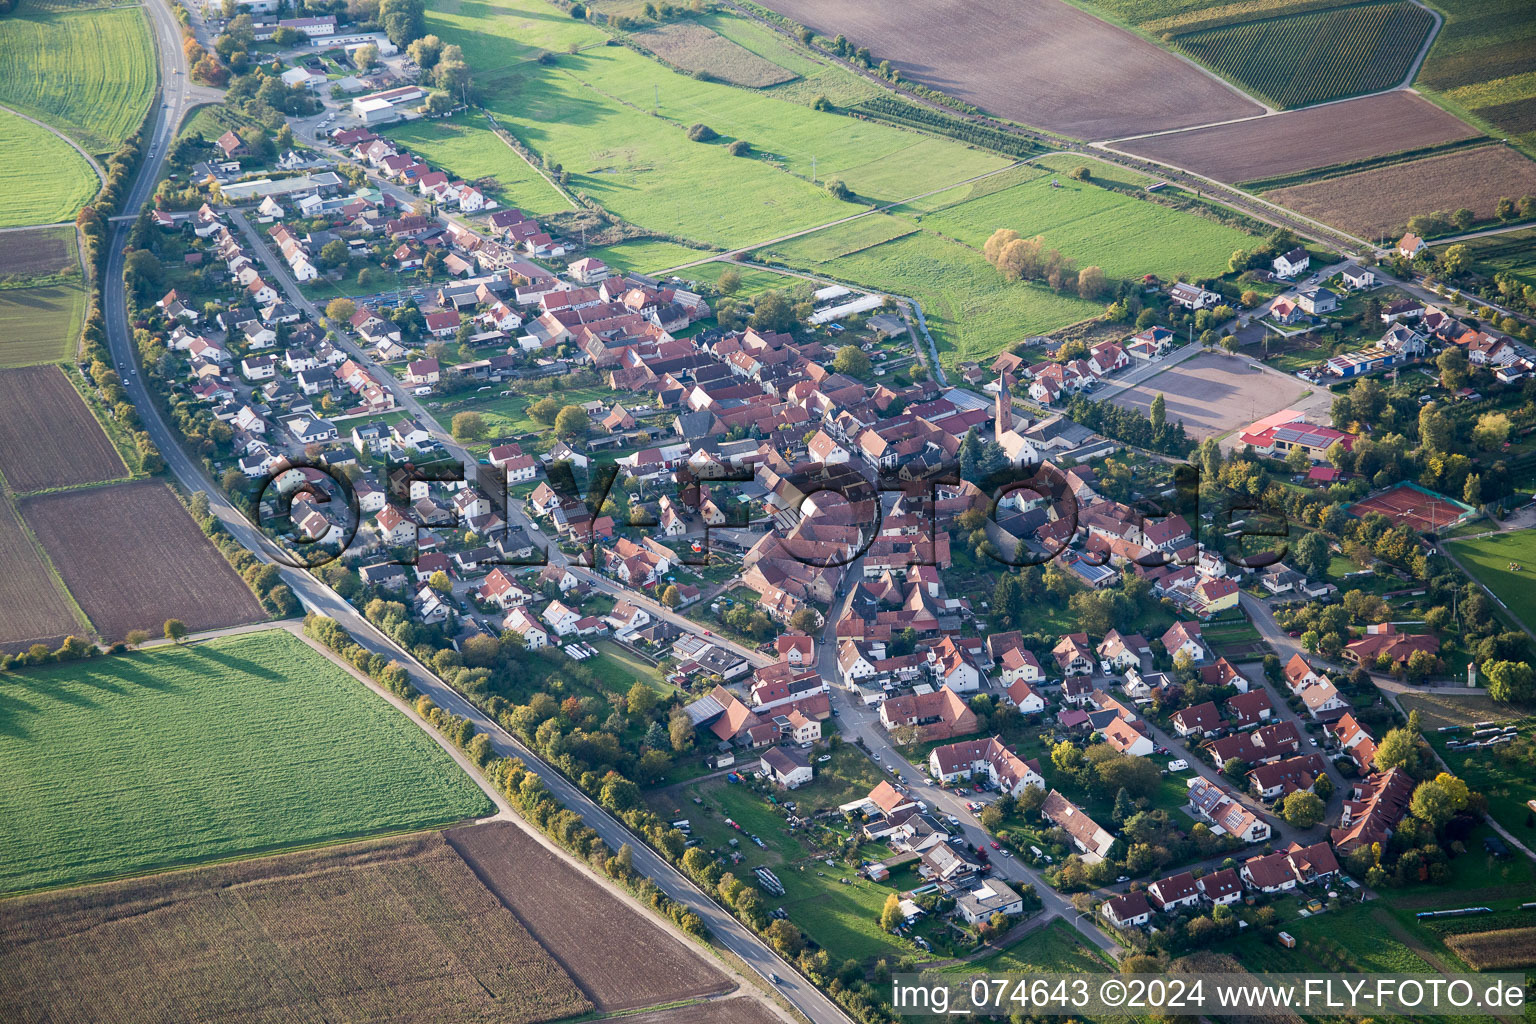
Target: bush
[(741, 147), (702, 133)]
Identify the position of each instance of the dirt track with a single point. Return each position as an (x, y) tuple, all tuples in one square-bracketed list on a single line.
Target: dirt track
[(1043, 63), (1301, 139)]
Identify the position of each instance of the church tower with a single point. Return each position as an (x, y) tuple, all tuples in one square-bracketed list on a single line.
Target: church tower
[(1003, 414)]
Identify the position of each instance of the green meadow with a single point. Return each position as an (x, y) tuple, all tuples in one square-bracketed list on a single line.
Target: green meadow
[(467, 148), (42, 179), (89, 73), (134, 762)]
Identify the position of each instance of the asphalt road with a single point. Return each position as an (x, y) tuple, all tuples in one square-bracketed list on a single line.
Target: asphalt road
[(727, 931)]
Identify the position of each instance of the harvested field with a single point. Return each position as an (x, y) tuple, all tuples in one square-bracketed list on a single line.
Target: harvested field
[(1379, 202), (1436, 709), (36, 609), (1067, 71), (397, 930), (38, 252), (1302, 139), (133, 557), (48, 437), (1500, 950), (1211, 392), (229, 747), (693, 47), (726, 1011), (580, 923)]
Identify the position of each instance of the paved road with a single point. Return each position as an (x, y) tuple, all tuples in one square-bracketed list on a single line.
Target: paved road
[(728, 932), (861, 724)]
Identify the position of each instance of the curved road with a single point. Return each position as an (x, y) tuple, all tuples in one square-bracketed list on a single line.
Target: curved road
[(728, 932)]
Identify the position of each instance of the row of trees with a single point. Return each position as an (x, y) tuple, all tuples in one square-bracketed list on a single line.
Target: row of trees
[(1027, 259)]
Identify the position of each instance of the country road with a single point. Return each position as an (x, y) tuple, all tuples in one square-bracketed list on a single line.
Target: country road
[(727, 931)]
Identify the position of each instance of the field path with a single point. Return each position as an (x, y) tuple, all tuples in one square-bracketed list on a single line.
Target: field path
[(101, 175), (1429, 40)]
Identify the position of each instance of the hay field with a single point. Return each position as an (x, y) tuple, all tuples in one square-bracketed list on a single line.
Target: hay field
[(90, 73), (129, 763), (42, 179), (694, 47)]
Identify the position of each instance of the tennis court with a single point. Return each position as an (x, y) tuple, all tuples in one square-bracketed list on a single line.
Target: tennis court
[(1423, 510)]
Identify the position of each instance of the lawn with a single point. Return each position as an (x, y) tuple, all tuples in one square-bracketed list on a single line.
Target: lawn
[(239, 745), (617, 120), (972, 312), (649, 255), (1489, 560), (619, 669), (88, 73), (1055, 948), (42, 179), (40, 325), (467, 148), (1507, 785)]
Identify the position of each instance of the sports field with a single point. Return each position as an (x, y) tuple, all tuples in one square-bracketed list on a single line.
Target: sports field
[(128, 763), (40, 325), (1493, 561), (1210, 392), (42, 179), (1407, 505), (88, 73), (467, 148)]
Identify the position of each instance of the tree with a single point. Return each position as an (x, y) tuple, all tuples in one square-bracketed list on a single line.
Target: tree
[(1124, 806), (1492, 430), (680, 730), (852, 361), (702, 133), (839, 189), (175, 630), (991, 818), (804, 619), (544, 410), (425, 51), (1159, 415), (729, 282), (404, 21), (785, 936), (1296, 460), (1398, 749), (1472, 493), (1510, 680), (135, 637), (670, 597), (1454, 368), (772, 311), (365, 56), (340, 310), (1091, 283), (1302, 809), (1312, 556), (1433, 803), (572, 421), (467, 426), (440, 582), (891, 916), (640, 700)]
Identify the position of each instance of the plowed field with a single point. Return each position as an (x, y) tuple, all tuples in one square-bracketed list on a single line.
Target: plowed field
[(48, 437)]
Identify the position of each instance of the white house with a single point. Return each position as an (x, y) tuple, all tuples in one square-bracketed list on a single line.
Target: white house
[(1025, 697), (1127, 911), (1292, 263), (520, 622), (561, 618)]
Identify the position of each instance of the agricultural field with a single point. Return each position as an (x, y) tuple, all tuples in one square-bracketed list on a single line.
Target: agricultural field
[(132, 557), (42, 179), (395, 929), (1317, 56), (1064, 64), (468, 149), (1483, 62), (88, 73), (1513, 252), (1094, 226), (1498, 950), (37, 609), (1300, 140), (48, 437), (972, 312), (741, 1010), (758, 38), (618, 957), (695, 47), (40, 325), (40, 252), (128, 763), (592, 112), (1490, 560), (1378, 202), (1436, 709)]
